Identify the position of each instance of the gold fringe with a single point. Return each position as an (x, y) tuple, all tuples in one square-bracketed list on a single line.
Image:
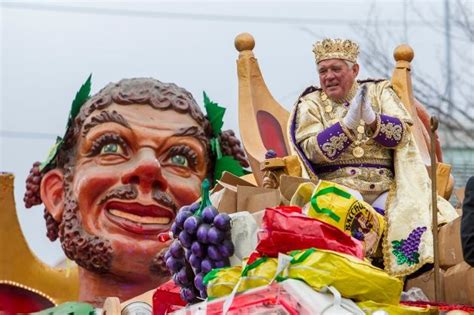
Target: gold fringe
[(24, 287)]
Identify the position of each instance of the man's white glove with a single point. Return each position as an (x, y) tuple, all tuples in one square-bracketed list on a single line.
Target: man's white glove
[(354, 114), (368, 114)]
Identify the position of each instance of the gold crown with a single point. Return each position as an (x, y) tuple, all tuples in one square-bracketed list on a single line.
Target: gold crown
[(336, 49)]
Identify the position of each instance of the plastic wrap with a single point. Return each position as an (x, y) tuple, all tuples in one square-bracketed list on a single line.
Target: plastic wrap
[(285, 229), (259, 273), (333, 204), (244, 235), (370, 306), (220, 282), (353, 278)]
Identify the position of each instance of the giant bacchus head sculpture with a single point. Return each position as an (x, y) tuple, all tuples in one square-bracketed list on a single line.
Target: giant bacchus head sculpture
[(134, 153)]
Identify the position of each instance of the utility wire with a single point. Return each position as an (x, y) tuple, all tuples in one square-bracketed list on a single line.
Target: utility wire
[(190, 16), (27, 135)]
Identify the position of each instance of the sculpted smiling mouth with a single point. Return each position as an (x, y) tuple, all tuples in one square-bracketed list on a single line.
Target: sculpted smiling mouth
[(138, 218)]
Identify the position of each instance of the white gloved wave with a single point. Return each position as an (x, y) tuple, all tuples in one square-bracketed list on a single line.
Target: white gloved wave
[(354, 114), (368, 114)]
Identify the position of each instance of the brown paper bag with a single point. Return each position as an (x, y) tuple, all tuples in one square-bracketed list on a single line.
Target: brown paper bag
[(450, 248), (225, 200), (459, 284), (229, 179), (254, 199), (224, 194)]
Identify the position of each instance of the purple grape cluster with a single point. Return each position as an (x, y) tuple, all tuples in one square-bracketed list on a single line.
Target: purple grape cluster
[(406, 250), (202, 243), (411, 244), (33, 181)]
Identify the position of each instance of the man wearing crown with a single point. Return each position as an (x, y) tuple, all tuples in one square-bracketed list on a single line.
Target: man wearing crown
[(356, 134)]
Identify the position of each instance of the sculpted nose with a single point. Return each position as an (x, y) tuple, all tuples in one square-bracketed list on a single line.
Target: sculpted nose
[(145, 171)]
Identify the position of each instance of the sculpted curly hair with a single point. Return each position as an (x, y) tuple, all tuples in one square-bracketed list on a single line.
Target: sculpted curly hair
[(147, 91)]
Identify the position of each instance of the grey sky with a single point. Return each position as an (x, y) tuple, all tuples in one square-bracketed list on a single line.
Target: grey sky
[(49, 48)]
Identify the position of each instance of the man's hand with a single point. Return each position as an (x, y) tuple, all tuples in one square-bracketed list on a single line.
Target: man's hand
[(368, 114), (354, 114)]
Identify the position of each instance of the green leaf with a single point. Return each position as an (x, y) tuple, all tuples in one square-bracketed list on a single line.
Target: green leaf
[(402, 260), (53, 151), (397, 244), (215, 115), (81, 97), (216, 147), (414, 259), (229, 164)]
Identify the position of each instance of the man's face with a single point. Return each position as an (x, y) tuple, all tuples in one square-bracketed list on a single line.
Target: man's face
[(134, 169), (336, 78)]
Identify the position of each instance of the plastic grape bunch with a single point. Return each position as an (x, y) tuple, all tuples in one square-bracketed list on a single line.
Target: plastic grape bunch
[(202, 243)]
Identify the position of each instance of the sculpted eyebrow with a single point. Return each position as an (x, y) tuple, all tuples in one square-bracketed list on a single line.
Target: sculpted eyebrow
[(193, 132), (104, 117)]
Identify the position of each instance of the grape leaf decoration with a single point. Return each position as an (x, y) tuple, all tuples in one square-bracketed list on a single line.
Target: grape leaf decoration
[(52, 153), (215, 115), (81, 97), (229, 164), (406, 250)]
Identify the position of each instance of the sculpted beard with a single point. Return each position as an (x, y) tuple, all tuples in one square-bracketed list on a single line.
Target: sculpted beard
[(95, 253), (91, 252)]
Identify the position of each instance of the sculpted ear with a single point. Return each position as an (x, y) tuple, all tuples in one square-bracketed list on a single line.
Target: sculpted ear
[(52, 193)]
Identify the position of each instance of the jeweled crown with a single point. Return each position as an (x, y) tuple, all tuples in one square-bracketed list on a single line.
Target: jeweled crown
[(336, 49)]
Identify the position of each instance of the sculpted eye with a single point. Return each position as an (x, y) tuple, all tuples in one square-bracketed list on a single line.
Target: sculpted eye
[(111, 148), (182, 155), (108, 144), (180, 160)]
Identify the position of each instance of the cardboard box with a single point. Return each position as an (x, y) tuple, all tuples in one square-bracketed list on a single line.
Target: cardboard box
[(425, 282), (459, 284), (450, 248), (233, 194)]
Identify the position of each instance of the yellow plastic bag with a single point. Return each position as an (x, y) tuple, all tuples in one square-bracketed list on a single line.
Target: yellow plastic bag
[(370, 306), (259, 273), (333, 204), (220, 282), (353, 278)]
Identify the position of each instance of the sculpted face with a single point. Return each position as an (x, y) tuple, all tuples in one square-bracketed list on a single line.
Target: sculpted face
[(136, 152), (135, 166), (336, 78)]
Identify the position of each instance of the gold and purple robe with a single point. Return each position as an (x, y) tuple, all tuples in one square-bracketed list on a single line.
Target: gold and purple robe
[(390, 162)]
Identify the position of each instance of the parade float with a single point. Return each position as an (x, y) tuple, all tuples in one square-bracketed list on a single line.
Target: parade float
[(269, 242)]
